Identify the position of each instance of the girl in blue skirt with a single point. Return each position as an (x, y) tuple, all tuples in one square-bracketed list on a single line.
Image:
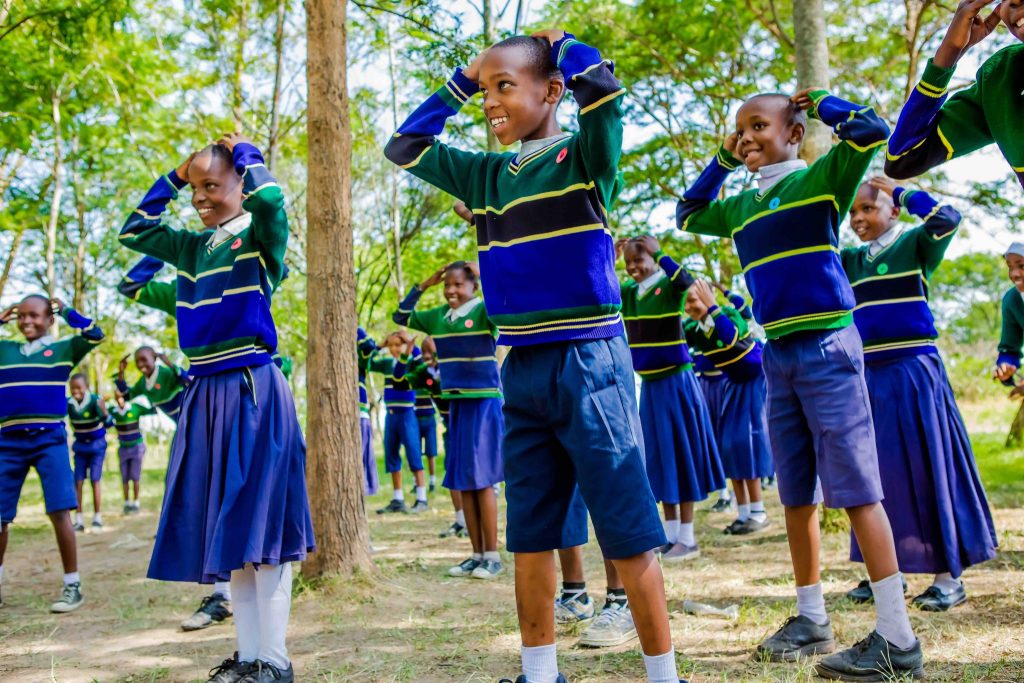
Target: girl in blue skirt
[(235, 504), (722, 336), (933, 495), (683, 464), (466, 354)]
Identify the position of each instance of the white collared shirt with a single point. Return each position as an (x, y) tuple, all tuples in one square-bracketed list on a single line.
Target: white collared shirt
[(230, 229), (884, 240), (80, 406), (151, 380), (707, 325), (771, 174), (531, 146), (465, 309), (28, 348), (645, 285)]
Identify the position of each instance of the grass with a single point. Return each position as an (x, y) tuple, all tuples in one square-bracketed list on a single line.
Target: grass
[(409, 621)]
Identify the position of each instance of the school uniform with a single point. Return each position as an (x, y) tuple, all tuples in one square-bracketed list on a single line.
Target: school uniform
[(131, 445), (786, 234), (32, 411), (572, 431), (1011, 338), (164, 389), (401, 430), (466, 357), (931, 129), (89, 427), (683, 462), (426, 418), (366, 350), (740, 421), (934, 497), (229, 500)]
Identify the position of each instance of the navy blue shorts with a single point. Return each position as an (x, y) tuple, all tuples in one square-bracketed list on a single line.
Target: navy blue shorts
[(401, 430), (819, 419), (428, 434), (47, 451), (573, 442)]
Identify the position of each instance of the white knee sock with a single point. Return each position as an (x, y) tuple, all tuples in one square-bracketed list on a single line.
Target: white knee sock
[(686, 534), (247, 614), (662, 668), (672, 530), (460, 517), (222, 588), (893, 623), (274, 598), (540, 664), (810, 603)]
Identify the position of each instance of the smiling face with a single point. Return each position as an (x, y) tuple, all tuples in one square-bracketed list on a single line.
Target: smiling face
[(1012, 13), (458, 288), (35, 317), (872, 214), (768, 131), (216, 188), (145, 361), (79, 388), (395, 343), (693, 306), (1015, 270), (519, 99), (639, 264), (428, 351)]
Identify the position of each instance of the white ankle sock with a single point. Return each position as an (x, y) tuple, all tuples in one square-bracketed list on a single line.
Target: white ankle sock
[(810, 603), (893, 624), (246, 613), (78, 518), (724, 494), (686, 534), (744, 512), (672, 530), (1, 573), (946, 583), (492, 556), (479, 557), (421, 493), (540, 664), (222, 588), (274, 600), (433, 480), (757, 511), (460, 517), (662, 668), (398, 494), (72, 577), (97, 518)]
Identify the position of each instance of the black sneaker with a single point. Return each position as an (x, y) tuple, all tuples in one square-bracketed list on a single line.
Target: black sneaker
[(721, 505), (751, 526), (456, 530), (229, 671), (78, 526), (522, 679), (213, 608), (432, 488), (394, 506), (798, 637), (873, 659), (863, 595), (70, 599), (419, 506), (662, 549), (733, 528), (768, 482), (127, 510), (465, 568), (265, 672), (934, 600)]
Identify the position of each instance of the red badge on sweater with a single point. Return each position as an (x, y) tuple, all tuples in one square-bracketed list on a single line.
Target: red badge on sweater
[(657, 291), (469, 323), (157, 386), (236, 244), (48, 353), (561, 155)]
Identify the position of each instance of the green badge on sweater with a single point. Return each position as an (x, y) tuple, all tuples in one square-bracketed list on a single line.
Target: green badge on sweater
[(883, 268)]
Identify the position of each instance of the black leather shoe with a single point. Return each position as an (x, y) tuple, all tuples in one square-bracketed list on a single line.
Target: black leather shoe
[(873, 659), (798, 637), (934, 600)]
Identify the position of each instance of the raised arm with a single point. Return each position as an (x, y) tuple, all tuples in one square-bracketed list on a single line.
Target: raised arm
[(700, 211), (146, 232)]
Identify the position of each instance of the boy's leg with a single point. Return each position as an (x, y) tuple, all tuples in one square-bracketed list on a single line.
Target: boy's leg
[(535, 584), (413, 453), (487, 503), (471, 508), (871, 524), (79, 486), (61, 521), (571, 561), (804, 538)]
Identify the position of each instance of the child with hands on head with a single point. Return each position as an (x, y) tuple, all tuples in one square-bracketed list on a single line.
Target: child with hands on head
[(1011, 340), (89, 420)]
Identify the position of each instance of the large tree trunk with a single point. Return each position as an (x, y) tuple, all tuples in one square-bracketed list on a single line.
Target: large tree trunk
[(58, 192), (812, 68), (334, 470)]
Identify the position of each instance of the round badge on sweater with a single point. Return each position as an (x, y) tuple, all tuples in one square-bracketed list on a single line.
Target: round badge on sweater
[(657, 291), (469, 323), (158, 385), (561, 155), (774, 204), (48, 352), (883, 268)]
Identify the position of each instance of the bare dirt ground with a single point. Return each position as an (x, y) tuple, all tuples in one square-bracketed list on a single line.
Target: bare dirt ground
[(410, 622)]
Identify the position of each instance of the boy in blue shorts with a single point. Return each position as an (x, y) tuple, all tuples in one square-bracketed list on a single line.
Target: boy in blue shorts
[(572, 430), (32, 434), (819, 419)]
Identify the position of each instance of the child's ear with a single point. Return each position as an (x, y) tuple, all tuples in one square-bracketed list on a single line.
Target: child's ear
[(556, 89), (796, 135), (895, 212)]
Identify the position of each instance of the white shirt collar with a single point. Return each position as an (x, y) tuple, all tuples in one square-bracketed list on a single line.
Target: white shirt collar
[(151, 380), (453, 313), (707, 325), (645, 285), (28, 348), (884, 240), (531, 146), (769, 175), (230, 229), (80, 406)]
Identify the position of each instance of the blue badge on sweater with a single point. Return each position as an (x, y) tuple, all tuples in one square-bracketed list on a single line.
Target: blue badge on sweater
[(774, 204)]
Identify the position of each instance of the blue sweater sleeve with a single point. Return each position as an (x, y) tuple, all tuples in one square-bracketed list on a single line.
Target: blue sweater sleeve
[(139, 275), (406, 313), (740, 304), (941, 223), (262, 197), (680, 277), (700, 210), (144, 230), (727, 332), (88, 337)]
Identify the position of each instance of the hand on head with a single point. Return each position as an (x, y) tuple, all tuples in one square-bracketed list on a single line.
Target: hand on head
[(967, 28), (649, 244), (56, 305), (883, 184), (803, 99), (9, 313), (182, 170), (434, 279), (552, 35), (472, 72), (229, 140), (410, 346), (702, 290)]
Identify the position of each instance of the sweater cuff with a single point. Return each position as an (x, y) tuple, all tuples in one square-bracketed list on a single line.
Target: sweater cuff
[(176, 182), (462, 87), (897, 197), (935, 79)]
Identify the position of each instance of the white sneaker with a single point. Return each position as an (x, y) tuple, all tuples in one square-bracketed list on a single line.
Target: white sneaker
[(464, 568), (573, 610), (613, 626), (681, 553)]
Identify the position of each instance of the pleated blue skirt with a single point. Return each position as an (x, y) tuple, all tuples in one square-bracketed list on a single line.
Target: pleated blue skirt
[(933, 495), (236, 484), (370, 479), (741, 430), (683, 464), (473, 458)]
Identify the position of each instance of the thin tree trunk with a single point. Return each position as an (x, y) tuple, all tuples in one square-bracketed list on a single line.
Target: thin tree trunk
[(238, 63), (396, 209), (334, 469), (9, 263), (275, 103), (1015, 439), (489, 39), (811, 50), (58, 192), (78, 295)]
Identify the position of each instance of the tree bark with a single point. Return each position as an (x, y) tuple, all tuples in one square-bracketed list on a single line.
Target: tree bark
[(238, 63), (487, 12), (58, 192), (334, 468), (395, 208), (1015, 439), (275, 102), (811, 51), (9, 263)]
